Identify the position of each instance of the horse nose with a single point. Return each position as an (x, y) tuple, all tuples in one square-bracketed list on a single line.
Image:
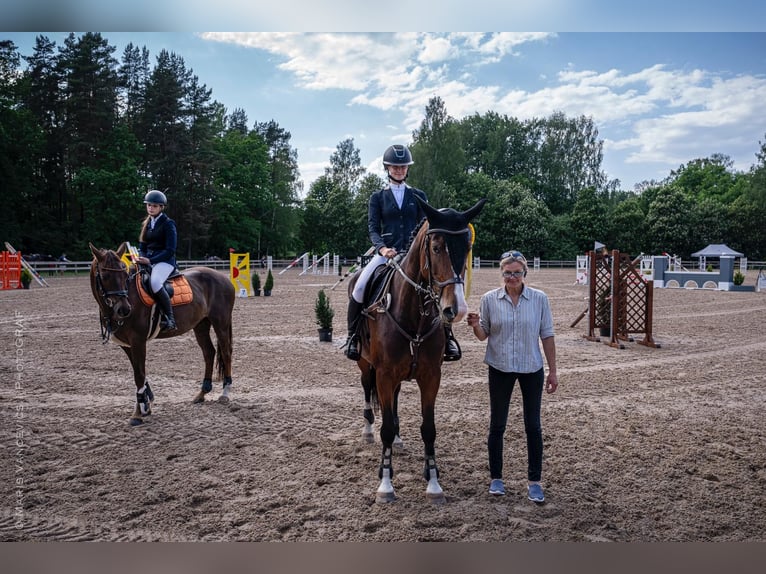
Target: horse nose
[(450, 313), (123, 310)]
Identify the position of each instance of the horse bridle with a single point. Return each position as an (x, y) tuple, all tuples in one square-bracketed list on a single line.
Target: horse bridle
[(100, 285), (429, 291), (456, 278), (106, 299)]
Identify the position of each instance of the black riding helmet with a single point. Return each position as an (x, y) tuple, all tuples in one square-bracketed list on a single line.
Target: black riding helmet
[(156, 196), (397, 155)]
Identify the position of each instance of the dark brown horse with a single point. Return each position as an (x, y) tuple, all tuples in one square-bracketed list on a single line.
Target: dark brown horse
[(402, 336), (130, 323)]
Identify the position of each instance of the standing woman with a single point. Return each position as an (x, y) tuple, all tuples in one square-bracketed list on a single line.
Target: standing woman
[(157, 247), (512, 319)]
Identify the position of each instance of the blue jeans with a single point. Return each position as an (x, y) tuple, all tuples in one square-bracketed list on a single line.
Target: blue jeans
[(500, 389)]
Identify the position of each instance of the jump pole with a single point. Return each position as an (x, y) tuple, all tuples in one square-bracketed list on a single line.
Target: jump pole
[(353, 268), (294, 262)]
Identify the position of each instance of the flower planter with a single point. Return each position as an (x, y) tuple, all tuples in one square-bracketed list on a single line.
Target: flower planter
[(325, 335)]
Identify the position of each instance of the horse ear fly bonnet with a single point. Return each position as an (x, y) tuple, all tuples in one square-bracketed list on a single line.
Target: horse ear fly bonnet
[(454, 225)]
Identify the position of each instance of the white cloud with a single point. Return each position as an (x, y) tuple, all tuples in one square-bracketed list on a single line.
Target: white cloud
[(654, 114), (436, 49)]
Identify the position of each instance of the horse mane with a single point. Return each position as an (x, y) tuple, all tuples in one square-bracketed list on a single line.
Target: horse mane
[(414, 233)]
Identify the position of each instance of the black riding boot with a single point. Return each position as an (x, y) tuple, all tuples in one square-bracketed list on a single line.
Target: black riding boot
[(451, 349), (163, 300), (352, 342)]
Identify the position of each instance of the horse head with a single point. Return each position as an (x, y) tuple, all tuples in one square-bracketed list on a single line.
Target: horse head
[(443, 257), (109, 281)]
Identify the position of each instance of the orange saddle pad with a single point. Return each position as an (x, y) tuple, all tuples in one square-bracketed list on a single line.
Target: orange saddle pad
[(182, 293)]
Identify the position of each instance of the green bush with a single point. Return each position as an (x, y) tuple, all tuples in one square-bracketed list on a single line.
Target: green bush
[(739, 279), (323, 311), (26, 276), (269, 284), (255, 280)]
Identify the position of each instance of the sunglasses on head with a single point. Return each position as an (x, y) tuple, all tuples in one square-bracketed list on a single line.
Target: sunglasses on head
[(511, 254)]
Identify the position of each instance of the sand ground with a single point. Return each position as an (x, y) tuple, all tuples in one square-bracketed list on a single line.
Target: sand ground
[(641, 444)]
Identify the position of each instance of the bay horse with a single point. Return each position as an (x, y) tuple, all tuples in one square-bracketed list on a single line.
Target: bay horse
[(402, 335), (130, 322)]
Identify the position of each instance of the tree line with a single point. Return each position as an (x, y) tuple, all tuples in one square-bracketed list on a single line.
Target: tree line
[(83, 136)]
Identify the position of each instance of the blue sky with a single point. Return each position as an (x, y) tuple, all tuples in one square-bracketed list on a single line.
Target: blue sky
[(659, 99)]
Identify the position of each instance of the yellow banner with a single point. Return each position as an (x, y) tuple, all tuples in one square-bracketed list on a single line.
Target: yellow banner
[(239, 272), (469, 263)]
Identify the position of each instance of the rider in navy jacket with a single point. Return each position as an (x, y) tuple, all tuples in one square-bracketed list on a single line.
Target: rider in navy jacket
[(388, 224), (157, 247), (393, 214)]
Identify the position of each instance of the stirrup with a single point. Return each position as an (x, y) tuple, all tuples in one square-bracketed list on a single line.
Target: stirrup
[(454, 353), (352, 348)]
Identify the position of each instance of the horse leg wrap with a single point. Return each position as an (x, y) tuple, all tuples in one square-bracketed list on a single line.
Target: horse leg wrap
[(143, 400), (227, 381), (385, 464), (430, 470), (368, 416), (207, 385)]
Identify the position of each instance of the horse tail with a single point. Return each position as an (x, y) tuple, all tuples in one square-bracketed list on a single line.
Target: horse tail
[(374, 393), (220, 364)]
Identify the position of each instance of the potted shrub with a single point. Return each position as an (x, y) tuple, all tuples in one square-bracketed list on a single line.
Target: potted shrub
[(255, 280), (324, 315), (26, 278), (268, 285), (739, 278)]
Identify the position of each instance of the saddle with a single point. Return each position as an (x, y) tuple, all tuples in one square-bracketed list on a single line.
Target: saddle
[(177, 286), (377, 287)]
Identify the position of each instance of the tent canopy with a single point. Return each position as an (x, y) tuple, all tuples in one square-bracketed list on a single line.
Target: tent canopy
[(717, 250)]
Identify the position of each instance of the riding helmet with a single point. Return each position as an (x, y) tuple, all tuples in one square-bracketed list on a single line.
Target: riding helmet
[(156, 196), (397, 155)]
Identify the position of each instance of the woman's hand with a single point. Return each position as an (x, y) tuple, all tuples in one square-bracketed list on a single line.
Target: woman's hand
[(388, 252), (552, 384)]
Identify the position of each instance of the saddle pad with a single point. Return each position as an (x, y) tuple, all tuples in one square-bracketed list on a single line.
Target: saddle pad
[(182, 293)]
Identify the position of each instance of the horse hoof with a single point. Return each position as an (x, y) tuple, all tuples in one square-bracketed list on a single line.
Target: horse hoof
[(398, 443), (135, 421), (384, 497), (224, 400), (200, 398), (368, 437), (436, 498)]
